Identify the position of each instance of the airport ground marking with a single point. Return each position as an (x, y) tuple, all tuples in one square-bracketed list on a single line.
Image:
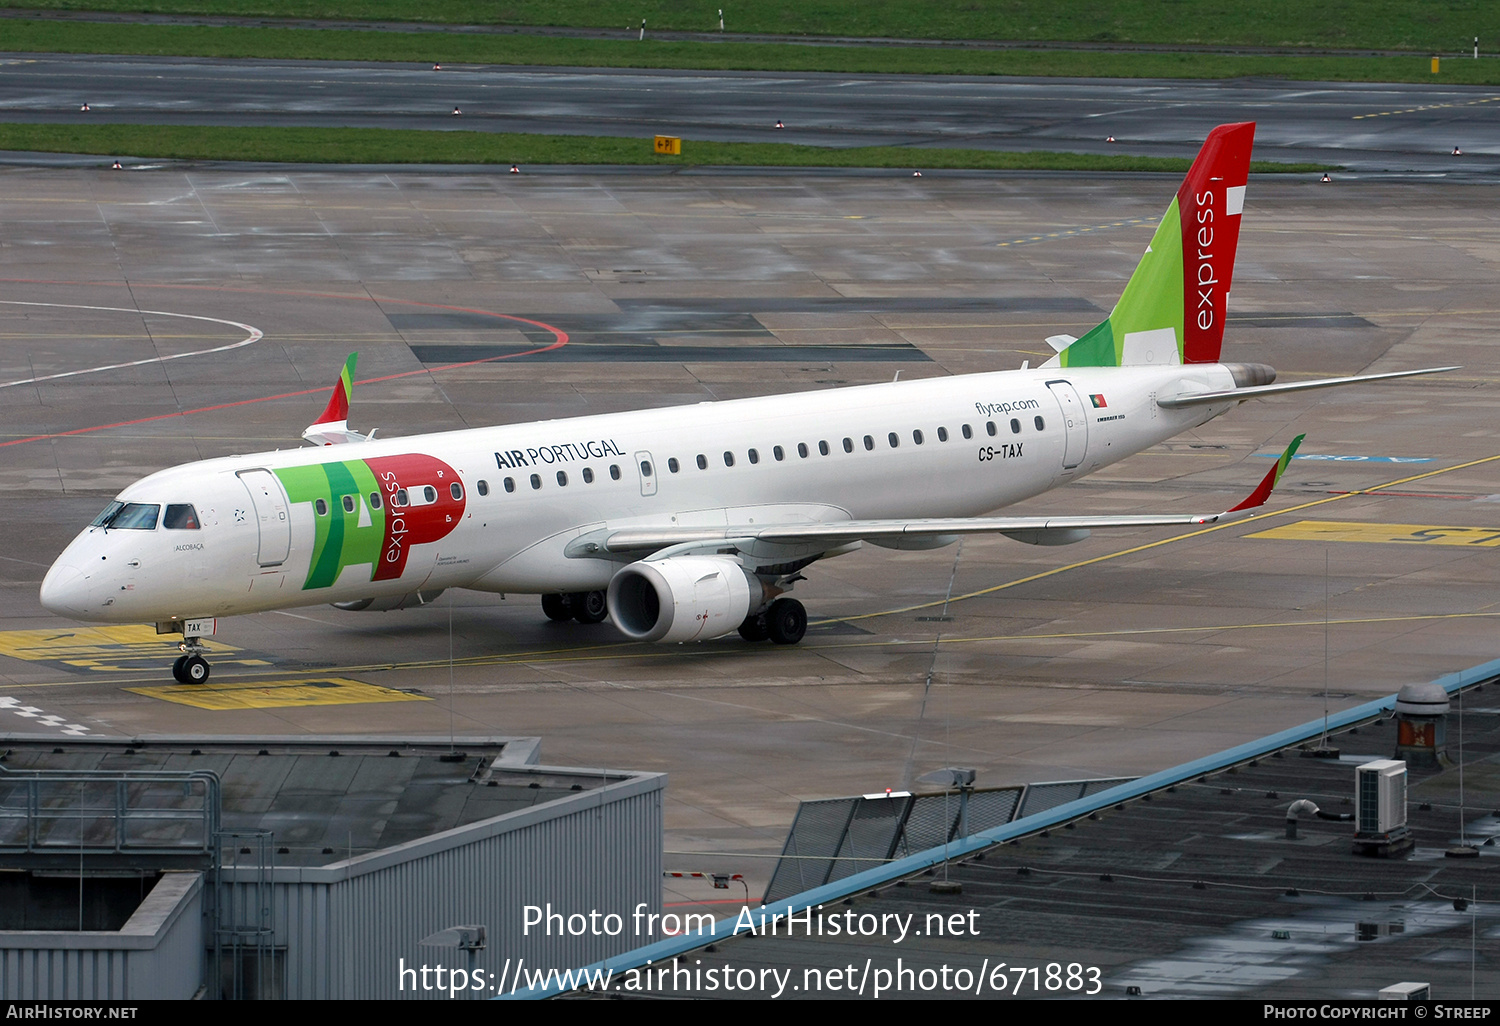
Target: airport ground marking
[(1348, 459), (277, 694), (1429, 106), (560, 336), (13, 705), (253, 335), (1397, 534), (104, 648), (1026, 240)]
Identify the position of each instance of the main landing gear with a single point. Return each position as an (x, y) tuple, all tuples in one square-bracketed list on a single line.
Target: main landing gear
[(191, 667), (784, 622), (583, 606)]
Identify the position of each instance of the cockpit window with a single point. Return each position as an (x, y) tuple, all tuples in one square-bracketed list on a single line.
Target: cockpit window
[(109, 511), (129, 516), (180, 518)]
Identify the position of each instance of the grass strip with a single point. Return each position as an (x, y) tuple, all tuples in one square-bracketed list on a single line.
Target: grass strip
[(22, 36), (1437, 26), (405, 146)]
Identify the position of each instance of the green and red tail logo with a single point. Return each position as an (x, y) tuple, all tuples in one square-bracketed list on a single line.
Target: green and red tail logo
[(337, 410), (1172, 309), (372, 511), (1267, 483)]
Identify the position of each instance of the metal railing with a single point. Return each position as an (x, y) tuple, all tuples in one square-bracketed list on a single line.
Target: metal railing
[(149, 812)]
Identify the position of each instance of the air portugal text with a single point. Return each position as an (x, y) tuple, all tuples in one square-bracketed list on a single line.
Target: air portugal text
[(567, 452)]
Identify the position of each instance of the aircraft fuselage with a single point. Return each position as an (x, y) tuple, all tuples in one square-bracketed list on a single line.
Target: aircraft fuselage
[(495, 509)]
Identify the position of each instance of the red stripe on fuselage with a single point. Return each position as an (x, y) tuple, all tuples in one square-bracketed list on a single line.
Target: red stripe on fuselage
[(415, 522)]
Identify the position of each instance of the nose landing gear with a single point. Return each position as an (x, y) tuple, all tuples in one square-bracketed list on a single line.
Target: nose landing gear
[(191, 667)]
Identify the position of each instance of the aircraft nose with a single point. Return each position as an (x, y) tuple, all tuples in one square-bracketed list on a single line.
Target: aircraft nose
[(65, 590)]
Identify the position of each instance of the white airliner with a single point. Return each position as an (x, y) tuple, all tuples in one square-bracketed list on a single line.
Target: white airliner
[(688, 523)]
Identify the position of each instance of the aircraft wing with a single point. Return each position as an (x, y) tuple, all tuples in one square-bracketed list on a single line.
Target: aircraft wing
[(1033, 530)]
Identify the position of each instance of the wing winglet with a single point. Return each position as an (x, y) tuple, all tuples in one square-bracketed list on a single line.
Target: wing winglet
[(332, 427), (1263, 490)]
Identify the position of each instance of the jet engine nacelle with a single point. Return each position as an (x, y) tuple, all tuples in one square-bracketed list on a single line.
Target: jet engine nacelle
[(384, 605), (683, 598)]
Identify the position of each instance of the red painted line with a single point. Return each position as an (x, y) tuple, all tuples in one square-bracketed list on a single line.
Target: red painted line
[(557, 333)]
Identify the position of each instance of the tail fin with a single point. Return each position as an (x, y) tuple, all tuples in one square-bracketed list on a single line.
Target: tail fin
[(332, 427), (1172, 309)]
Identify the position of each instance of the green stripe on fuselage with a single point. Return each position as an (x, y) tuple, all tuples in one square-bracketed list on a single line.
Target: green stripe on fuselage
[(338, 540)]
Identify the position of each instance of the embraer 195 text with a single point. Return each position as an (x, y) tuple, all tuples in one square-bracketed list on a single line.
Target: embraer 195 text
[(689, 523)]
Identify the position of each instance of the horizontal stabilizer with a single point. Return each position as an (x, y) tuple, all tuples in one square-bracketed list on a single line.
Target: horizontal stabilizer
[(1177, 402), (332, 427)]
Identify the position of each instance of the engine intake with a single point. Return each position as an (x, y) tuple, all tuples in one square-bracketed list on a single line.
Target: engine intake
[(683, 598)]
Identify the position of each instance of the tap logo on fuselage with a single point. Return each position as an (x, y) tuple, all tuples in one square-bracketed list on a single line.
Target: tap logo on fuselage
[(373, 511)]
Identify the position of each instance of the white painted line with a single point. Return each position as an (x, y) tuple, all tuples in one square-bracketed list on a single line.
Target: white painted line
[(253, 335), (31, 712)]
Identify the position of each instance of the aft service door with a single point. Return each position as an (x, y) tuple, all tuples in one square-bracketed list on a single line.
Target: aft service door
[(1074, 424), (268, 506), (646, 467)]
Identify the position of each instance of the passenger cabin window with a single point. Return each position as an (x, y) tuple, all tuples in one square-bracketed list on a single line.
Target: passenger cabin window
[(673, 465), (374, 500), (510, 484), (320, 507), (429, 493), (869, 444), (457, 491), (614, 471), (968, 431), (645, 468), (180, 518), (802, 449), (893, 439), (1015, 426), (562, 478), (348, 504), (754, 455), (728, 459), (916, 436), (1041, 425), (128, 516), (402, 498), (536, 481), (823, 448), (849, 444), (702, 462), (942, 434), (779, 453), (588, 475), (989, 426), (483, 486)]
